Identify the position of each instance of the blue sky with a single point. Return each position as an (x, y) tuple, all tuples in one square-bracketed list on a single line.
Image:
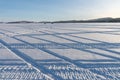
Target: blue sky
[(52, 10)]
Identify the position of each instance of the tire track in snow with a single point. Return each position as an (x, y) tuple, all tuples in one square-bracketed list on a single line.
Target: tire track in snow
[(80, 65), (50, 75)]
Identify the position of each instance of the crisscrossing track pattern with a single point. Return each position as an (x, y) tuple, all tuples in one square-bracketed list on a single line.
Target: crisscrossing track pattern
[(60, 51)]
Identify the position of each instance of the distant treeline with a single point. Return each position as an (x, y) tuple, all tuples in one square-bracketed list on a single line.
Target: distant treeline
[(91, 21), (99, 20)]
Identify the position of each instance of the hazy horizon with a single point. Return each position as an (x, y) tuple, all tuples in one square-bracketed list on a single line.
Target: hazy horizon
[(55, 10)]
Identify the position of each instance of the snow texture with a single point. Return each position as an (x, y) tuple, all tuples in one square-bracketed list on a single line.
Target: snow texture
[(60, 51)]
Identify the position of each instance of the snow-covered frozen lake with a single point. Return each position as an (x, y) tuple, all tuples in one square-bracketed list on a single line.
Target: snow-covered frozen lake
[(69, 51)]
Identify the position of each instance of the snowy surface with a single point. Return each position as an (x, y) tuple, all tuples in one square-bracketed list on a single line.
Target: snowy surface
[(71, 51)]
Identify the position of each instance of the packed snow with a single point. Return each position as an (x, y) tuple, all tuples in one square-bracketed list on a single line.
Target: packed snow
[(60, 51)]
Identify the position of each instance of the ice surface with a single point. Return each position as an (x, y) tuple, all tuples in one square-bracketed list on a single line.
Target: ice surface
[(38, 54), (78, 55), (59, 51), (6, 54)]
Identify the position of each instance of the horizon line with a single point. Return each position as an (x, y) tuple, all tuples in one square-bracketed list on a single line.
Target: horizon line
[(59, 20)]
